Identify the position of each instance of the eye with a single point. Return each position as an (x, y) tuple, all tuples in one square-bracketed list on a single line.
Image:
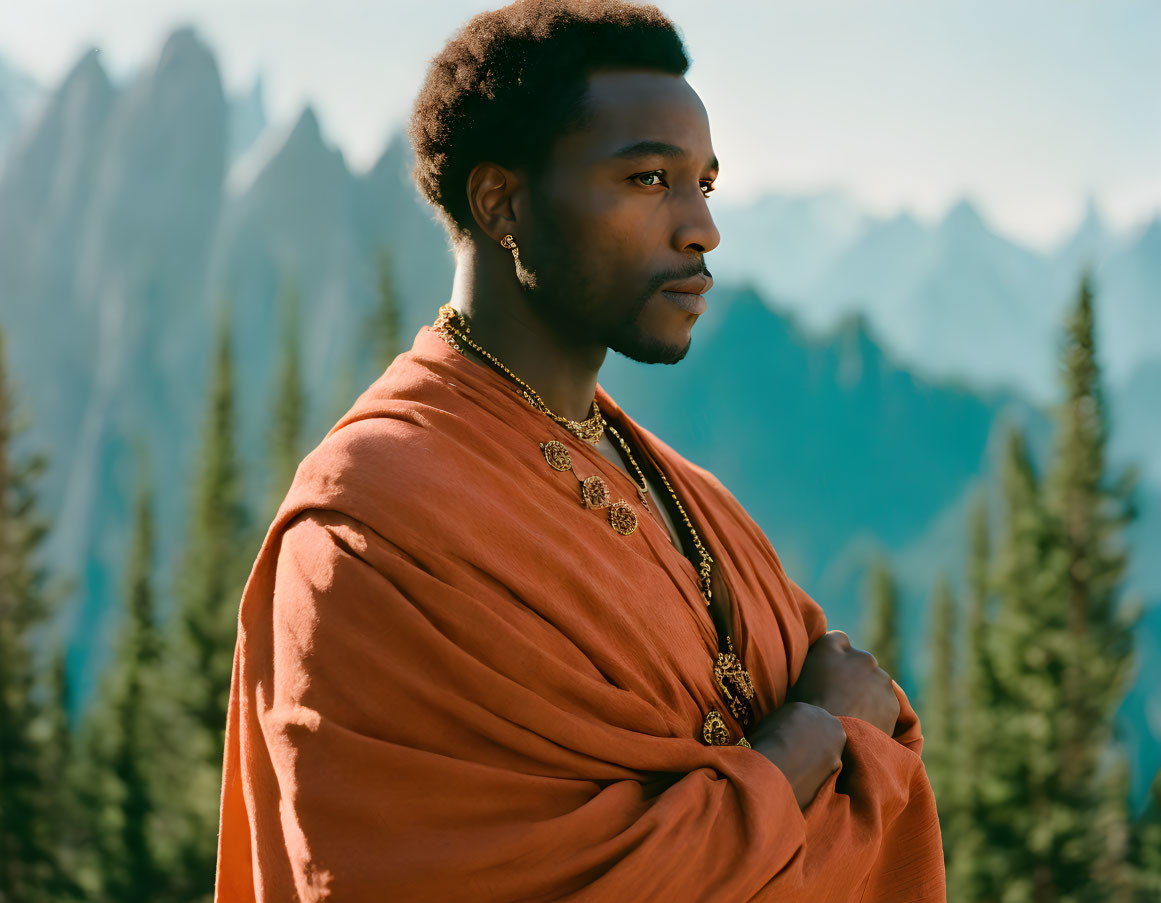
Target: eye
[(656, 174), (707, 187)]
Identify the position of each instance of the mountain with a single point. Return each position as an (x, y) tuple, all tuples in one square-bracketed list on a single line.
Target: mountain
[(955, 299), (247, 118), (784, 244), (979, 309), (874, 273), (19, 97), (1136, 433), (820, 436), (1091, 242), (1129, 315), (47, 192)]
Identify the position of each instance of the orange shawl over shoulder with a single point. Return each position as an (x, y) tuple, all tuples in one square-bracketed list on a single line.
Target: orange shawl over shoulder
[(454, 682)]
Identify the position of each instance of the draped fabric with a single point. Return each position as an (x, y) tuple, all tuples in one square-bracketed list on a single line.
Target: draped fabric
[(453, 681)]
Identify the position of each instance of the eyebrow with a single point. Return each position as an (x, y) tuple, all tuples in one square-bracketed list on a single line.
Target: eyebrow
[(654, 149)]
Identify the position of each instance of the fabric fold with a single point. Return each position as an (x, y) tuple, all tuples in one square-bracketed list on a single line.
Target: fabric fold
[(453, 681)]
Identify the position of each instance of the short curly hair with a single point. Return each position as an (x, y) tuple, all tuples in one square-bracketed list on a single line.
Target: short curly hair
[(513, 80)]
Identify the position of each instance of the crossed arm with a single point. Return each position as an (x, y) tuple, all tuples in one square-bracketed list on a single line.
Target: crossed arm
[(804, 737)]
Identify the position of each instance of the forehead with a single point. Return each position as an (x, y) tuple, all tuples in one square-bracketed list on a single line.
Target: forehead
[(628, 106)]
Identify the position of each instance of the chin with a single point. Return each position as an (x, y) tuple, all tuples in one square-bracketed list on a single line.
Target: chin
[(650, 348)]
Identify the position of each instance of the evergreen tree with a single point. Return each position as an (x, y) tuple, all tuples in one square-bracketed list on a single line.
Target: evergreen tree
[(385, 323), (122, 756), (1017, 766), (1050, 822), (882, 628), (30, 868), (1145, 845), (940, 709), (217, 558), (969, 877), (133, 871), (63, 821), (1092, 513), (289, 403)]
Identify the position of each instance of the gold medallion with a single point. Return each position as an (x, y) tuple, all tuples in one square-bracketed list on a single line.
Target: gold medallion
[(556, 455), (594, 493), (714, 732), (734, 682), (623, 517)]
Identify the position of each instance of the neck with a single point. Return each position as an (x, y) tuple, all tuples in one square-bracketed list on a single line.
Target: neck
[(563, 373)]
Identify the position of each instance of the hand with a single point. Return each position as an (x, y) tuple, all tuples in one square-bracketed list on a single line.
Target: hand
[(805, 742), (846, 681)]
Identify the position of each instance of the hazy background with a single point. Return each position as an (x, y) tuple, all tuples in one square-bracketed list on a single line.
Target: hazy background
[(908, 193)]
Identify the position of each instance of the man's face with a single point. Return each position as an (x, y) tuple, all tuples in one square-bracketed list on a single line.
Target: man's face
[(621, 211)]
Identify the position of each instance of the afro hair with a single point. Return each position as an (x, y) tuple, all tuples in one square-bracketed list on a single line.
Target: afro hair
[(513, 80)]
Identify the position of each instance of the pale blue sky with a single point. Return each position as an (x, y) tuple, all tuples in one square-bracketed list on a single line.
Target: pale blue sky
[(1027, 106)]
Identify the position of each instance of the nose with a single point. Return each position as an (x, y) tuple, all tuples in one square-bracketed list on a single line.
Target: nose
[(696, 231)]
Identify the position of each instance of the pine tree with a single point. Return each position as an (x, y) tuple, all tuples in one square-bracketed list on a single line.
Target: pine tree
[(1145, 845), (1093, 510), (882, 628), (218, 554), (65, 820), (1051, 822), (1014, 767), (121, 751), (30, 867), (940, 711), (136, 875), (969, 877), (385, 323), (289, 402)]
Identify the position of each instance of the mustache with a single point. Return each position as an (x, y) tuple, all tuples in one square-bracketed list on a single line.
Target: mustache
[(673, 275)]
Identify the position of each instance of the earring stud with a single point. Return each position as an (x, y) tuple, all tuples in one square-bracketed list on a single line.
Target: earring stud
[(508, 242)]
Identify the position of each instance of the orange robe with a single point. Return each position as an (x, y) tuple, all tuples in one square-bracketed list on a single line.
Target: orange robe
[(452, 681)]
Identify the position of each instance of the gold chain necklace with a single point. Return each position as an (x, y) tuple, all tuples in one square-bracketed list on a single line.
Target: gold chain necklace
[(705, 568), (731, 678), (451, 325)]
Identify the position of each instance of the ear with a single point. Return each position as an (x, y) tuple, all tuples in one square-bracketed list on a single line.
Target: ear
[(491, 197)]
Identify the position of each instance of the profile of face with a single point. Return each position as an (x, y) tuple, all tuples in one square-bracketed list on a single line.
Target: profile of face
[(619, 213)]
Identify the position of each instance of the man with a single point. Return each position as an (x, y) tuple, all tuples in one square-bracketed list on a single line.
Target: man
[(502, 643)]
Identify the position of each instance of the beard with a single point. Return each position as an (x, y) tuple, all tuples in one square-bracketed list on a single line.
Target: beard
[(560, 286)]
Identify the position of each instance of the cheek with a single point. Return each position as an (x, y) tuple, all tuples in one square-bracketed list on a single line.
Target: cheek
[(605, 218)]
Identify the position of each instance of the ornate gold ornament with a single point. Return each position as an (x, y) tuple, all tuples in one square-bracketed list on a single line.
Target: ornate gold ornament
[(715, 733), (556, 454), (714, 730), (734, 682), (623, 517), (594, 492), (451, 326)]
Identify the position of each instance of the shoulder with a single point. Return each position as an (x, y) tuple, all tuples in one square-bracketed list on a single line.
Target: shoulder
[(414, 462)]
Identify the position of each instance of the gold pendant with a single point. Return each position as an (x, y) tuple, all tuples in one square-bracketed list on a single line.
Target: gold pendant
[(622, 517), (556, 455), (735, 684), (714, 730), (594, 493)]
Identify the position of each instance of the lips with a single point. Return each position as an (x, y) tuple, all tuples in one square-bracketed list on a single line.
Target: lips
[(694, 285)]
